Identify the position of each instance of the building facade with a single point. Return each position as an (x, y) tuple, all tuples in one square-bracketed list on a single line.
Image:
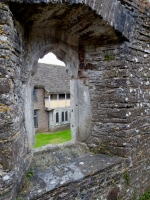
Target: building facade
[(51, 96)]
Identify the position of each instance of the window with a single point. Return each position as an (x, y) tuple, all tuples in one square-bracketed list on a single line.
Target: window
[(53, 96), (35, 95), (67, 96), (62, 116), (66, 116), (57, 117), (35, 118), (61, 96)]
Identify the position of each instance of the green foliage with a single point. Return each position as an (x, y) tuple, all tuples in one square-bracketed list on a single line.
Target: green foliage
[(102, 148), (52, 138), (110, 154), (95, 151), (19, 198), (108, 57), (146, 196), (30, 173), (127, 177)]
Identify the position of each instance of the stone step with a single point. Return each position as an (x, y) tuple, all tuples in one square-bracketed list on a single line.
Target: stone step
[(66, 181)]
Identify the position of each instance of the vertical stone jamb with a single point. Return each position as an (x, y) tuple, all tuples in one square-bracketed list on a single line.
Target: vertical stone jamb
[(14, 151)]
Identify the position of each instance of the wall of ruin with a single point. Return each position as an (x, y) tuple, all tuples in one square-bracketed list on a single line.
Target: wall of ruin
[(42, 113), (16, 146), (110, 82)]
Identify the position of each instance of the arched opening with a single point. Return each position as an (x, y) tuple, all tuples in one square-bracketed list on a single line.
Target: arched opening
[(76, 33), (51, 96)]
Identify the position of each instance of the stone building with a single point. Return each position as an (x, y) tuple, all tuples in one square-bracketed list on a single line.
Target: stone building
[(51, 95), (105, 45)]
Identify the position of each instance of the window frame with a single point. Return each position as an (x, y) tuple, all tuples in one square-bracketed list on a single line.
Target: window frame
[(62, 117), (57, 117), (35, 116), (61, 96), (66, 116), (67, 96), (35, 99)]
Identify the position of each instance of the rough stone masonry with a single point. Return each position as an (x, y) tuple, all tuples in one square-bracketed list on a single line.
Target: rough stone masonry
[(106, 48)]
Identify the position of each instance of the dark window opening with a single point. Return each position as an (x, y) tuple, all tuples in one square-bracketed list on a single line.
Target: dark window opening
[(35, 118), (35, 95), (62, 116), (66, 116), (57, 117), (53, 96), (61, 96), (68, 96)]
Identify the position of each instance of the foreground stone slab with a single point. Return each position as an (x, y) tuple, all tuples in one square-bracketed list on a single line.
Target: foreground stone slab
[(49, 156), (77, 171)]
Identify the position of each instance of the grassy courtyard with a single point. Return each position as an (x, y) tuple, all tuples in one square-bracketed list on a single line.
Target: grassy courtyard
[(52, 138)]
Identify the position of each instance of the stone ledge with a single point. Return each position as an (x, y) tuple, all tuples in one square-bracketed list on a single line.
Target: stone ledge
[(53, 155), (52, 148), (78, 169)]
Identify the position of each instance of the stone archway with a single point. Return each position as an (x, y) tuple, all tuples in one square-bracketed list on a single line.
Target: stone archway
[(43, 34), (95, 40)]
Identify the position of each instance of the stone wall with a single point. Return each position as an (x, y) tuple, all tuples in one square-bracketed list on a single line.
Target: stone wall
[(16, 146), (42, 113), (86, 177), (105, 46), (119, 93), (61, 125)]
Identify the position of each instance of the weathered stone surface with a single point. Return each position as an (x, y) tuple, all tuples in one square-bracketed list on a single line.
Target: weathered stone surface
[(5, 86), (54, 155), (105, 46), (87, 170)]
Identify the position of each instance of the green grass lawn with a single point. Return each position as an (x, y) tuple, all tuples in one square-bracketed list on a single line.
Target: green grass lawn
[(52, 138)]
